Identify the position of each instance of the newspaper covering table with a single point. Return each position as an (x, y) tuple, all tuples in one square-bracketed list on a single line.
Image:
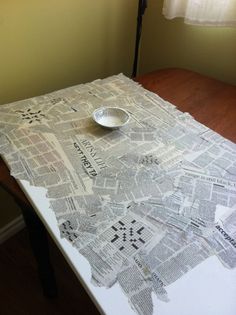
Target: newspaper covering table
[(139, 202)]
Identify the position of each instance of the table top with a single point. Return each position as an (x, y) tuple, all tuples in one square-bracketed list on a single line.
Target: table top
[(209, 101), (214, 104)]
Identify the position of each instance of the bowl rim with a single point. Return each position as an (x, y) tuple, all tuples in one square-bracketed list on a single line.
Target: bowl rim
[(109, 107)]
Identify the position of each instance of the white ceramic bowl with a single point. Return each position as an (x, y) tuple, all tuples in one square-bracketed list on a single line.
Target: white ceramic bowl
[(111, 117)]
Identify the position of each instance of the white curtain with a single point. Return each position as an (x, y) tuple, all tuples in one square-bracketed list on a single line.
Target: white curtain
[(202, 12)]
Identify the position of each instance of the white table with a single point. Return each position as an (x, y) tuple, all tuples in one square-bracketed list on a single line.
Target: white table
[(208, 289)]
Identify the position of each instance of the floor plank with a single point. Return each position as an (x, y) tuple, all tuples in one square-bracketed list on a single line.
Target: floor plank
[(20, 290)]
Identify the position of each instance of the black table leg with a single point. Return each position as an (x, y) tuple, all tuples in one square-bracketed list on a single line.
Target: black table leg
[(39, 244)]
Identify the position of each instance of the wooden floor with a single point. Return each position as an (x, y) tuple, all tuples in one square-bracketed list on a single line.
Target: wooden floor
[(20, 291)]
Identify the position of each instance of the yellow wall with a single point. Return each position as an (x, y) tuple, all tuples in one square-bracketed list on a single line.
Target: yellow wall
[(171, 43), (46, 45), (50, 44)]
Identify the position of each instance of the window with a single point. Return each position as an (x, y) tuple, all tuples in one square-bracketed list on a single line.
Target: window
[(202, 12)]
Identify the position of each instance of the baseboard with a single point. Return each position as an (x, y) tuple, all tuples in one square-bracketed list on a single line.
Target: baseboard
[(11, 228)]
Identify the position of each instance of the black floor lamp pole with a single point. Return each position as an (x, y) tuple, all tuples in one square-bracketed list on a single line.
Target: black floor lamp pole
[(142, 5)]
